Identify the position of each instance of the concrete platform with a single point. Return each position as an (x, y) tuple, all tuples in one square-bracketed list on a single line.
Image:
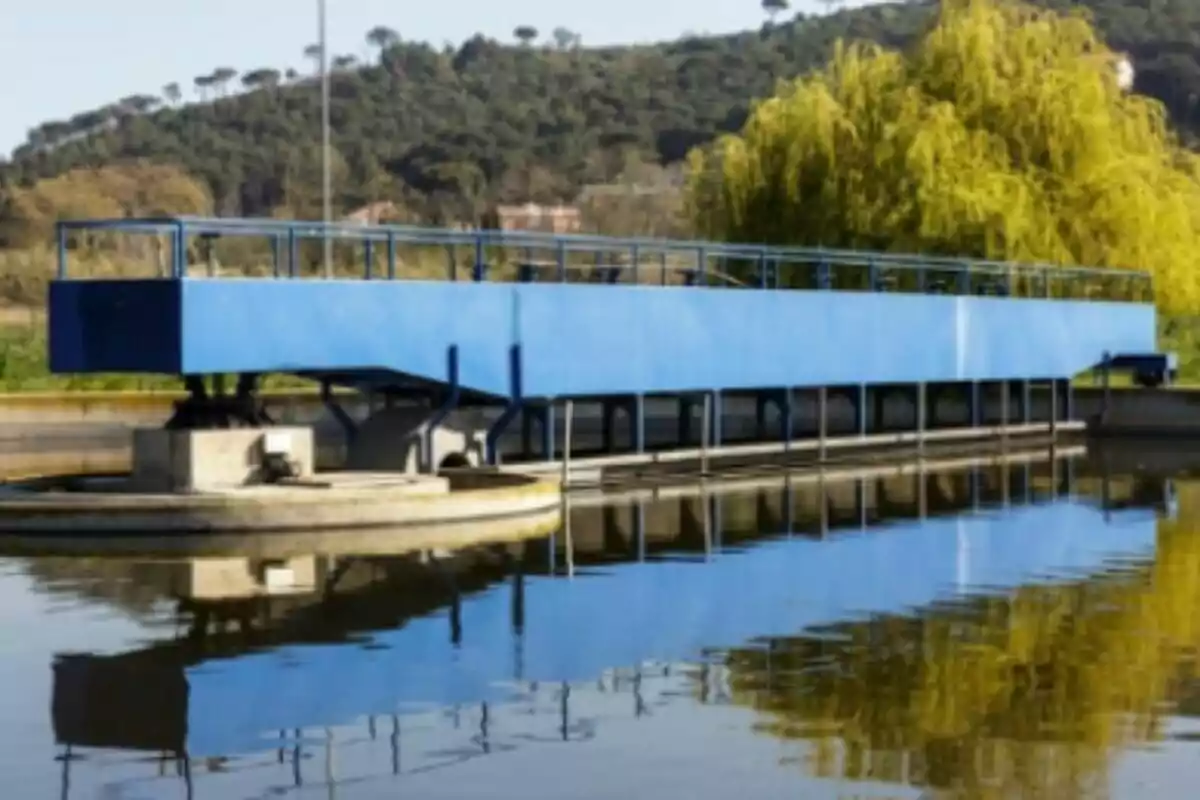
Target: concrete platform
[(98, 505)]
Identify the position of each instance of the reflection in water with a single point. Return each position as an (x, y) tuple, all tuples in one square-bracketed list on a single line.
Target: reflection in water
[(984, 633)]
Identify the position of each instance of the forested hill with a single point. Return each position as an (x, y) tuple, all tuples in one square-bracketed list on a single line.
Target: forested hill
[(451, 131)]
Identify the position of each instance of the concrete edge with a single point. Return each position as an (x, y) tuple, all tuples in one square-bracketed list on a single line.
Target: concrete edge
[(360, 542), (292, 509)]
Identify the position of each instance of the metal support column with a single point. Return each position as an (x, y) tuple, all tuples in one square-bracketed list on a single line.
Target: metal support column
[(920, 392), (608, 412), (716, 434), (637, 424), (822, 421), (515, 401), (549, 423), (527, 416), (449, 403), (976, 404), (1026, 404), (1005, 391), (861, 410), (787, 418), (685, 422), (1054, 404)]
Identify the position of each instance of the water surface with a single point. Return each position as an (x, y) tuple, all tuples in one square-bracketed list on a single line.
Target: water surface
[(1026, 631)]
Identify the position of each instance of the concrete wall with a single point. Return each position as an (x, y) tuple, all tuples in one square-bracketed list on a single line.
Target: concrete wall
[(1142, 412), (196, 461), (582, 339)]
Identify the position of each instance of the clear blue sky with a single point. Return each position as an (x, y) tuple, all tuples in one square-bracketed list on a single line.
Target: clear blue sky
[(60, 57)]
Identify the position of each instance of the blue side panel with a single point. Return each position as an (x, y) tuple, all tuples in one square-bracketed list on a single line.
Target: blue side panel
[(579, 340), (289, 326), (115, 326), (587, 339), (634, 613)]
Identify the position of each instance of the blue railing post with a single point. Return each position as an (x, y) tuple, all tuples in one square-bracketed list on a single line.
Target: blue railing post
[(452, 262), (763, 281), (872, 276), (824, 274), (61, 231), (1046, 292), (369, 257), (179, 261), (702, 266), (293, 255), (662, 263), (391, 255), (635, 259), (275, 255), (525, 269), (479, 270), (560, 260), (964, 279)]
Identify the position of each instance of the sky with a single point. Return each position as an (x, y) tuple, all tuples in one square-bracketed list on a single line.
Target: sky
[(61, 57)]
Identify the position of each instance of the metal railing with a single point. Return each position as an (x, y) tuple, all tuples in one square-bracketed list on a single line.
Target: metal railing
[(482, 255)]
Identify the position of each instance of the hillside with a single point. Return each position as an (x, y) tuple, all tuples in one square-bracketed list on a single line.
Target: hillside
[(450, 132)]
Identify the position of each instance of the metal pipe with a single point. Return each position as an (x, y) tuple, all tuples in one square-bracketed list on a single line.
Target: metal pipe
[(568, 421), (449, 403)]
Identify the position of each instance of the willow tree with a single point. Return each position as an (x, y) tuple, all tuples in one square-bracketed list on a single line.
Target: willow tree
[(1006, 132)]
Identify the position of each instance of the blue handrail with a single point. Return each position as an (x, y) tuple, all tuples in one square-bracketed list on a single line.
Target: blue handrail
[(769, 262)]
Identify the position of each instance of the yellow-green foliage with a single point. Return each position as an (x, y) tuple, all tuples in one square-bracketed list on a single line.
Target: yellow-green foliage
[(127, 190), (1003, 134), (1030, 693)]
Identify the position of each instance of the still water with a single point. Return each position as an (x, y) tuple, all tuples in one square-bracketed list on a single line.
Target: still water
[(1026, 631)]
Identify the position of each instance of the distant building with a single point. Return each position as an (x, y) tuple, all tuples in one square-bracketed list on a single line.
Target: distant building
[(374, 214), (534, 217)]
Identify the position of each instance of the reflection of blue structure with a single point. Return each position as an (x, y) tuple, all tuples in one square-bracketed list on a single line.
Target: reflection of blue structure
[(863, 319), (575, 629)]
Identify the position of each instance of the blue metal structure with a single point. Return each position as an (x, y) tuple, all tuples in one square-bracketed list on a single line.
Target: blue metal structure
[(524, 318)]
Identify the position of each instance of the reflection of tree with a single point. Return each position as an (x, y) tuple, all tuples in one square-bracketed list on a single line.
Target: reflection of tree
[(1024, 694)]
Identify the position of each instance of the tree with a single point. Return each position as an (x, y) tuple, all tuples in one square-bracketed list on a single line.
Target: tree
[(314, 53), (774, 8), (499, 106), (172, 93), (263, 78), (203, 83), (344, 62), (221, 78), (565, 38), (138, 103), (525, 34), (130, 190), (1004, 133), (382, 38)]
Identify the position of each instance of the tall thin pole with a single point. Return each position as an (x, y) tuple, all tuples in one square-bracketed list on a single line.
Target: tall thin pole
[(326, 188)]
